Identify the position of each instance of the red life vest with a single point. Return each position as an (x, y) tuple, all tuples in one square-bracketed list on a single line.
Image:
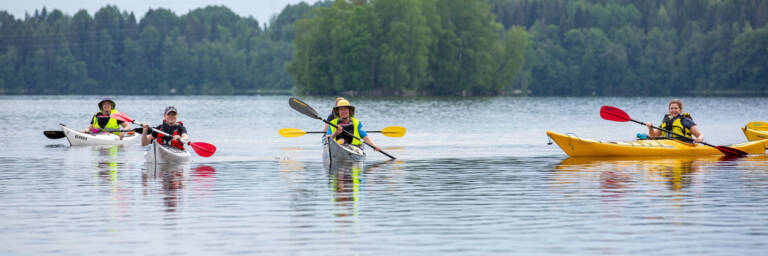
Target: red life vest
[(174, 143)]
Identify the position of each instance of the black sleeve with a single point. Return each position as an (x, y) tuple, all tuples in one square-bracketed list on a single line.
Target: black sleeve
[(330, 117), (182, 130), (687, 122), (120, 122), (154, 133)]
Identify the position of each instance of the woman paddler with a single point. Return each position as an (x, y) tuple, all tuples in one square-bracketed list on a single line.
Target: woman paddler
[(331, 116), (102, 120), (344, 114), (678, 122), (170, 126)]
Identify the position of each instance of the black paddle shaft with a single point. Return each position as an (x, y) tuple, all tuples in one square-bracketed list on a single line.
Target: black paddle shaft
[(668, 131)]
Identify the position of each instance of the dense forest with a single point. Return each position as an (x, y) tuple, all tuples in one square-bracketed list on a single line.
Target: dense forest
[(207, 51), (642, 47), (444, 47), (436, 47)]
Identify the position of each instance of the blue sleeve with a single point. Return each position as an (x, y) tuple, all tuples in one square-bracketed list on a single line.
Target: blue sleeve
[(329, 130), (360, 130)]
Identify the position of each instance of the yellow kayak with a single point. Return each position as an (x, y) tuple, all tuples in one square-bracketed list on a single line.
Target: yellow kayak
[(754, 135), (575, 146)]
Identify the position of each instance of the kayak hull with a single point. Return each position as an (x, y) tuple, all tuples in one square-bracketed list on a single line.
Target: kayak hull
[(756, 135), (164, 154), (575, 146), (335, 152), (77, 138)]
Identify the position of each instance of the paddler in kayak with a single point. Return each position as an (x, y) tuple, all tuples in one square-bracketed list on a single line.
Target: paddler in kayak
[(170, 126), (344, 114), (677, 121), (102, 119)]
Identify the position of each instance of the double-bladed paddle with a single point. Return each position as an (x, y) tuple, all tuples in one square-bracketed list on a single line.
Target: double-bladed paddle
[(618, 115), (391, 131), (201, 148), (305, 109)]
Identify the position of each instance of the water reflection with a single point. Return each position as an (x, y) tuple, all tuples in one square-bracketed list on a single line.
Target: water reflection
[(345, 180), (107, 166), (171, 180), (617, 174), (106, 163)]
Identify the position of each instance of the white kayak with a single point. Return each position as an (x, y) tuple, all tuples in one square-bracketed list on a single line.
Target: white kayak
[(77, 138), (335, 152), (163, 154)]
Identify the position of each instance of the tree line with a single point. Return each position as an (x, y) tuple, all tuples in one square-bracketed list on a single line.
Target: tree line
[(210, 50), (433, 47), (642, 47), (443, 47)]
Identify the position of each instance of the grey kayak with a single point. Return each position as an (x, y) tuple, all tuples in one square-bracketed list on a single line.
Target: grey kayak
[(335, 152), (160, 154)]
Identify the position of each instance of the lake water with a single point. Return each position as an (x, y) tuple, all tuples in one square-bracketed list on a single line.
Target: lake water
[(474, 176)]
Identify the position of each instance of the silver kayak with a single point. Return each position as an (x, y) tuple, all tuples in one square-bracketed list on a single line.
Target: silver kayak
[(77, 138), (335, 152), (162, 154)]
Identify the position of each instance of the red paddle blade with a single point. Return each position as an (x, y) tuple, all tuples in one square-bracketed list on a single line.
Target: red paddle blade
[(122, 117), (614, 114), (203, 149), (729, 151)]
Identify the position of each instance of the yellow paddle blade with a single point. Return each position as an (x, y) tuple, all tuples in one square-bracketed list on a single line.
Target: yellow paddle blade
[(393, 131), (758, 126), (291, 132)]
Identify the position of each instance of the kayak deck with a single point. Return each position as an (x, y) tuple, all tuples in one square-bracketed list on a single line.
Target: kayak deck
[(335, 152), (77, 138), (160, 154), (755, 135)]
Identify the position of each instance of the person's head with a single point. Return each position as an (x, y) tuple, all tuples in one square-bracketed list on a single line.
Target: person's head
[(343, 109), (675, 107), (339, 99), (170, 115), (106, 105)]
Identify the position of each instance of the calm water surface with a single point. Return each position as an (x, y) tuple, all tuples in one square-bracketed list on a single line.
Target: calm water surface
[(474, 177)]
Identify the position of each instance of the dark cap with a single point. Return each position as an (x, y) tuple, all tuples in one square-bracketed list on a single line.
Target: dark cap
[(170, 109), (106, 100)]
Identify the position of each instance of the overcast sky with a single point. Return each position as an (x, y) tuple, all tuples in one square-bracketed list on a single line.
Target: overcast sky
[(262, 10)]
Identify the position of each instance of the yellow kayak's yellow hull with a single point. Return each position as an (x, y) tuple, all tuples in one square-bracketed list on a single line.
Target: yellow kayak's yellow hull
[(755, 135), (575, 146)]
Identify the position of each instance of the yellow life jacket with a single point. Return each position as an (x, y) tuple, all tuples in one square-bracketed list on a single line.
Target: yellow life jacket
[(355, 125), (111, 124), (676, 125)]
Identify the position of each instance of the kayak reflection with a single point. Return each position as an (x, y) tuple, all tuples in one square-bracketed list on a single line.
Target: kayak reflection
[(346, 180), (618, 173), (171, 179)]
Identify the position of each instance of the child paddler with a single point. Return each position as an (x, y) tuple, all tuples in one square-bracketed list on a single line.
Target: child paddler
[(170, 126), (102, 120), (345, 119), (678, 122)]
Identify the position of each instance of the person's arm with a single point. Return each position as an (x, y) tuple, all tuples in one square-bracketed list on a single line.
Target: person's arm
[(146, 139), (697, 135), (652, 131), (184, 136), (88, 130), (370, 142), (365, 137)]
